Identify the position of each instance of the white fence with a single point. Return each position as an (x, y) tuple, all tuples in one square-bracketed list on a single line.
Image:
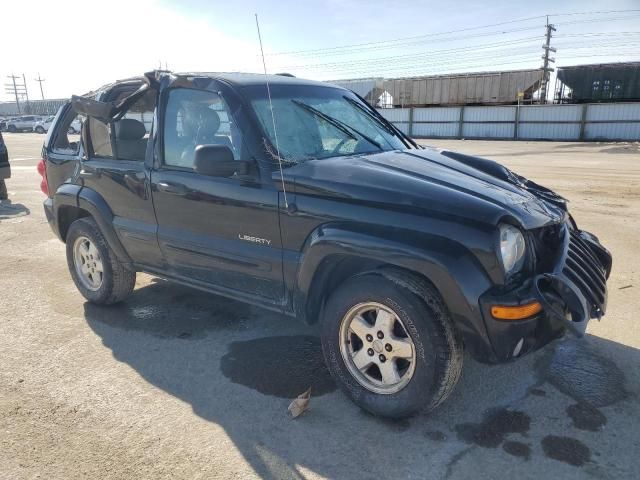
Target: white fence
[(586, 122)]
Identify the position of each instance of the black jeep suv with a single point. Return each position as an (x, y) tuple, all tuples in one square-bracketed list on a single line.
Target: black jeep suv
[(299, 197)]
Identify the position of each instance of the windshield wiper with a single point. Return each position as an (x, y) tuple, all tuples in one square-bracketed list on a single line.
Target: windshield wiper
[(363, 109), (383, 121), (340, 125)]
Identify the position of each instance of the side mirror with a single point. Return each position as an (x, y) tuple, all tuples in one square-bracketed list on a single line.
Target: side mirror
[(217, 161)]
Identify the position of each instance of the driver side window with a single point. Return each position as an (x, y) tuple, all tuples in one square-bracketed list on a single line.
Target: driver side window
[(197, 117)]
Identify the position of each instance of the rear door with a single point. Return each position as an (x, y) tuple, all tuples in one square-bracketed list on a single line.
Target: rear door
[(223, 232), (116, 168)]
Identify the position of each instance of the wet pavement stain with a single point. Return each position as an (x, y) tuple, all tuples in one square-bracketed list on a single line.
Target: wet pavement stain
[(578, 371), (586, 417), (494, 428), (435, 435), (538, 392), (167, 310), (566, 449), (517, 449), (279, 366)]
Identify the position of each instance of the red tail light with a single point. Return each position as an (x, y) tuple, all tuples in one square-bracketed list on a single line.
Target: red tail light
[(42, 170)]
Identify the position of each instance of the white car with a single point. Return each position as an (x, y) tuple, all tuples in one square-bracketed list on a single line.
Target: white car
[(22, 124), (43, 126)]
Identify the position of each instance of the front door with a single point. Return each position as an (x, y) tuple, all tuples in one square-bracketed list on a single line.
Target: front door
[(222, 232)]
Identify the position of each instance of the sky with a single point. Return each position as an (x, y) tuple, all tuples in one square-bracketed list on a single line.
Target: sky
[(77, 46)]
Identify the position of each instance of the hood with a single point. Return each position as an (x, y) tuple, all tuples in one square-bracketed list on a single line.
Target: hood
[(436, 182)]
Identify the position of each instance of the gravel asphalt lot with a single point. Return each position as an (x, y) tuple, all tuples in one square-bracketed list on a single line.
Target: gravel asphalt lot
[(176, 383)]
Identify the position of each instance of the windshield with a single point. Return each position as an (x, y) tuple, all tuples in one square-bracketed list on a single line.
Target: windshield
[(320, 122)]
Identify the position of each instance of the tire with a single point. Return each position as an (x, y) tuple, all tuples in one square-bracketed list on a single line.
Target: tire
[(71, 130), (116, 281), (436, 345), (12, 129), (3, 190), (39, 129)]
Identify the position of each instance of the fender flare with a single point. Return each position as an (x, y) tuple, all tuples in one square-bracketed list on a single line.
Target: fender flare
[(449, 266), (93, 203), (65, 196)]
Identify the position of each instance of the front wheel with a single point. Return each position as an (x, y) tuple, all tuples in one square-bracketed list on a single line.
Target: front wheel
[(39, 129), (392, 348), (12, 129), (99, 276)]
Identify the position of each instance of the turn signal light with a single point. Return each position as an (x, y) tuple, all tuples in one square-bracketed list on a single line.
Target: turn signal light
[(518, 312)]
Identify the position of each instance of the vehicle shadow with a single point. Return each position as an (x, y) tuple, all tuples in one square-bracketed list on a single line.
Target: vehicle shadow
[(239, 367), (8, 209)]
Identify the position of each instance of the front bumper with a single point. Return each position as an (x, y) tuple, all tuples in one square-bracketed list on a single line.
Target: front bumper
[(571, 294)]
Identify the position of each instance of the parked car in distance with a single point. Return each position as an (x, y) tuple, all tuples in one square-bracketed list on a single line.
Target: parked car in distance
[(22, 124), (43, 125), (299, 197), (5, 168)]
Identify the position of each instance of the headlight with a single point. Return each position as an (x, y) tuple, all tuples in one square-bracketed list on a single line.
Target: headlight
[(512, 246)]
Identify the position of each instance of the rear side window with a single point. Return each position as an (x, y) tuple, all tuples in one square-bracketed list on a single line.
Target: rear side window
[(127, 138), (66, 139)]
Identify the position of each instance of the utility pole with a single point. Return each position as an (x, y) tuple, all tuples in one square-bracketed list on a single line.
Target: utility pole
[(13, 88), (546, 69), (24, 85), (40, 80)]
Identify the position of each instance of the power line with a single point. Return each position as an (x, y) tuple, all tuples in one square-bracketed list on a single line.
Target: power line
[(431, 35), (469, 67), (428, 35), (491, 51), (413, 55)]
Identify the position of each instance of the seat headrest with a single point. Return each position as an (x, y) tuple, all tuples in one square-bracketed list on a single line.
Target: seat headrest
[(130, 129), (201, 122)]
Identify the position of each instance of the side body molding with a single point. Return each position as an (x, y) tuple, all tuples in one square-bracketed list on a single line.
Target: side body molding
[(450, 267)]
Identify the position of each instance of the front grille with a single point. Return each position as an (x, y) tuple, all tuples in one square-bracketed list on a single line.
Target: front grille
[(583, 268)]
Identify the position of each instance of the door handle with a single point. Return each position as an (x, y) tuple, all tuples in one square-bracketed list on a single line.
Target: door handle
[(89, 173), (173, 188)]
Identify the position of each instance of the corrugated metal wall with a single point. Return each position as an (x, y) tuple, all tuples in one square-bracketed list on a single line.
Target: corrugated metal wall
[(619, 121), (35, 107)]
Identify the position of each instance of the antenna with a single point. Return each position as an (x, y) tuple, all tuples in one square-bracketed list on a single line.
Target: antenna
[(273, 118)]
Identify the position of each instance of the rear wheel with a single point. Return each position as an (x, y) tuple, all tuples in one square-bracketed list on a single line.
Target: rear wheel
[(392, 351), (95, 270)]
